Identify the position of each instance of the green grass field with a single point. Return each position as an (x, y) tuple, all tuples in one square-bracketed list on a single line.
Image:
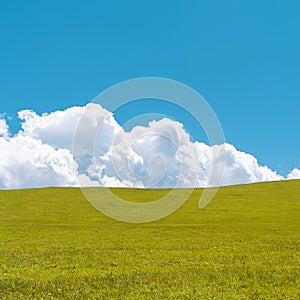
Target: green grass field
[(244, 245)]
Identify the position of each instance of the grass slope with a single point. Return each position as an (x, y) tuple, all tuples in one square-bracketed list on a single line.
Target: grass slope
[(243, 245)]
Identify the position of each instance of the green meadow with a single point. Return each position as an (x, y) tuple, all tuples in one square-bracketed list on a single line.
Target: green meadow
[(244, 245)]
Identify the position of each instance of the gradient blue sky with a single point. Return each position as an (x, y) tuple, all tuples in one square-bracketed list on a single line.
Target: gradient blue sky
[(242, 56)]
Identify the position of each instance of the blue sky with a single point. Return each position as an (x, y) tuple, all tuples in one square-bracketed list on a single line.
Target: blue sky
[(243, 57)]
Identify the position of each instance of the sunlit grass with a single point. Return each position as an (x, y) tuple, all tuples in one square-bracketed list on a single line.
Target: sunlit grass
[(243, 245)]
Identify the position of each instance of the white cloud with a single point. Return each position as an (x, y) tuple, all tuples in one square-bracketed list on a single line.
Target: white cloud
[(294, 174), (27, 162), (55, 129), (242, 167), (159, 155), (4, 131), (85, 181)]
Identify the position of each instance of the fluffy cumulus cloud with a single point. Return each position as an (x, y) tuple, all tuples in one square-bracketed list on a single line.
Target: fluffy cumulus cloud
[(86, 145), (295, 174), (4, 131), (27, 162), (31, 158), (242, 167), (55, 129), (160, 155)]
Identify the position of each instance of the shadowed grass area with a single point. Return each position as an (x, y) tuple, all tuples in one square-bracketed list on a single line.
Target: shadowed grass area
[(244, 245)]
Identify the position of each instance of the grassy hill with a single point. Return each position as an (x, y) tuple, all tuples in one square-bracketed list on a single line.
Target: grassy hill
[(244, 245)]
